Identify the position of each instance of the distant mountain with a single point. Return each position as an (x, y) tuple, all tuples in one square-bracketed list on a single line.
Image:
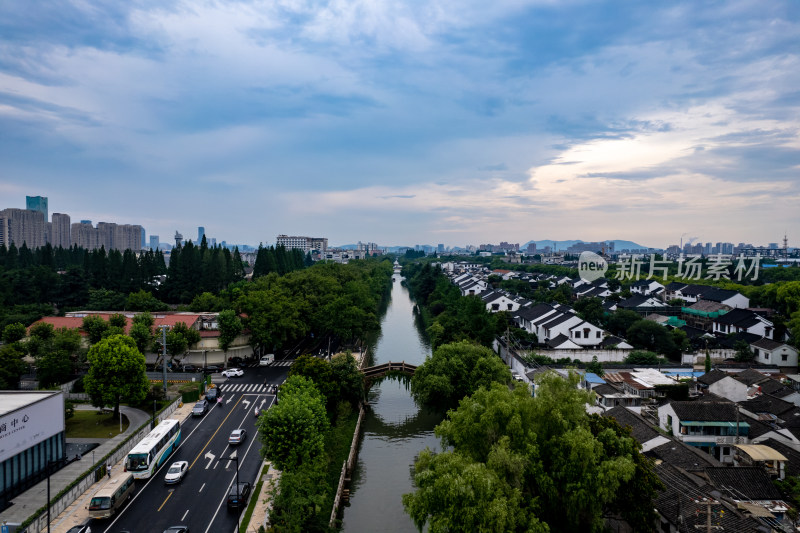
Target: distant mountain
[(563, 245)]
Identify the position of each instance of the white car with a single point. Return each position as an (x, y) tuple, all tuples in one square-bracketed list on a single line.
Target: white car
[(266, 360), (233, 373), (176, 472)]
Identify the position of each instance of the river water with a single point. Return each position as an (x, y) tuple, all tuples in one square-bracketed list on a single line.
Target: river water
[(394, 429)]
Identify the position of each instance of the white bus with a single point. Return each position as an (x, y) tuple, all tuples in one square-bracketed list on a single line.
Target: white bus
[(145, 458), (107, 501)]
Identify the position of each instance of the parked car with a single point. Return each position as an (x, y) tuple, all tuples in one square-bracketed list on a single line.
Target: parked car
[(176, 472), (237, 436), (238, 495), (233, 373), (190, 368), (212, 369), (212, 394), (236, 361), (266, 360), (200, 408)]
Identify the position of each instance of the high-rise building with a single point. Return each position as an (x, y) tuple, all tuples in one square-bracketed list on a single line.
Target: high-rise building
[(86, 221), (440, 248), (60, 231), (23, 226), (154, 242), (302, 243), (200, 232), (37, 203), (144, 240), (178, 239), (107, 235)]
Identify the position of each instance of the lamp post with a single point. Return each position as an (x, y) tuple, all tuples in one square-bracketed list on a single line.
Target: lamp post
[(49, 466), (234, 457)]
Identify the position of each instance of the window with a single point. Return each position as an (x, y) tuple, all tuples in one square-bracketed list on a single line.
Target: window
[(598, 334), (784, 357), (577, 334), (766, 356)]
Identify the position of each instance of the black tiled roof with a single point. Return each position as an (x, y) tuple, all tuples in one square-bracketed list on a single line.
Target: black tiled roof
[(730, 340), (775, 388), (641, 430), (705, 411), (674, 286), (767, 404), (793, 456), (719, 295), (695, 290), (749, 482), (682, 455), (735, 316), (750, 377), (712, 377), (532, 313)]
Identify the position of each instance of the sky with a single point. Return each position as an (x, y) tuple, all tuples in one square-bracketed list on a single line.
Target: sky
[(407, 122)]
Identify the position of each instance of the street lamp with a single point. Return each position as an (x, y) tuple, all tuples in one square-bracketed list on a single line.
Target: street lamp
[(49, 465), (234, 457)]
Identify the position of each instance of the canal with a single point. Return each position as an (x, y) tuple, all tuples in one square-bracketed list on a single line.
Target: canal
[(395, 430)]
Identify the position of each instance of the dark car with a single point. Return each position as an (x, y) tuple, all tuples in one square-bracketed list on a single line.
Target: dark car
[(177, 529), (80, 529), (200, 408), (212, 369), (191, 368), (212, 394), (238, 495), (237, 362)]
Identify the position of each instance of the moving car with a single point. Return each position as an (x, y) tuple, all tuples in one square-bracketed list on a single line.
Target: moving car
[(233, 373), (212, 394), (237, 436), (238, 495), (266, 360), (177, 529), (212, 369), (176, 472), (200, 408), (80, 529)]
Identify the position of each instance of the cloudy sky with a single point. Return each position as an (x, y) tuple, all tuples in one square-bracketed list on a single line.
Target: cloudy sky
[(400, 122)]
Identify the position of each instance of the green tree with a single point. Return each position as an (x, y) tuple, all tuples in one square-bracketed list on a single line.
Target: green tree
[(14, 332), (590, 309), (143, 336), (319, 372), (292, 432), (56, 355), (348, 377), (743, 352), (12, 365), (116, 373), (454, 371), (707, 364), (299, 500), (642, 357), (230, 327), (143, 300), (595, 367), (94, 326), (550, 467), (118, 320), (621, 321), (205, 302), (648, 335)]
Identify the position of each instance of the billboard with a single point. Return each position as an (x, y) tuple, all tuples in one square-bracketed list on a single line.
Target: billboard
[(30, 424)]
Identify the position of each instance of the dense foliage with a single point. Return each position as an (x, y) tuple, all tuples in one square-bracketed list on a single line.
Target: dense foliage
[(116, 373), (328, 299), (520, 463), (450, 317), (454, 371)]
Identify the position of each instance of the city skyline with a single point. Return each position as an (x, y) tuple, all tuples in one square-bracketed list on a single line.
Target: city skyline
[(400, 123)]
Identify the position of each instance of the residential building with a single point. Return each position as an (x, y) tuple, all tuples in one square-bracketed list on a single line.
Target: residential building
[(37, 203), (60, 231), (23, 226), (154, 242), (306, 244), (770, 352), (109, 235), (714, 427), (742, 321)]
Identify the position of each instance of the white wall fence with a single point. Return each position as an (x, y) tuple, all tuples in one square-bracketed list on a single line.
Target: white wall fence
[(89, 478), (586, 356)]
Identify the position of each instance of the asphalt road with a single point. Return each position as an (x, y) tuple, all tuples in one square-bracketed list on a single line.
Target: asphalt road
[(200, 500)]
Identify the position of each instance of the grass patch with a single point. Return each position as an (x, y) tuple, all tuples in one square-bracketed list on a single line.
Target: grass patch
[(248, 514), (94, 425), (337, 447)]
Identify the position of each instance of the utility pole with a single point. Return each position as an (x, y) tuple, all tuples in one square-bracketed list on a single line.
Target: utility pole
[(164, 353)]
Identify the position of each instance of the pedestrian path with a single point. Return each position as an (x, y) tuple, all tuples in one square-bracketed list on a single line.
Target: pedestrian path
[(283, 362), (256, 388)]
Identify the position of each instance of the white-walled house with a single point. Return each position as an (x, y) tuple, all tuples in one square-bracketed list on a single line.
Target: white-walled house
[(724, 385), (713, 427), (770, 352), (743, 321), (586, 334)]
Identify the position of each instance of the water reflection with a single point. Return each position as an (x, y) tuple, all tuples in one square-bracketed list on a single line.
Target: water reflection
[(395, 430)]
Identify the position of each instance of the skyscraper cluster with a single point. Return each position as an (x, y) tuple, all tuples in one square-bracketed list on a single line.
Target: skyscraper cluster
[(32, 227)]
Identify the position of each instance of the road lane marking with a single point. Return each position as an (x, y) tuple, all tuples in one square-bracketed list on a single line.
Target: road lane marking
[(230, 412), (211, 458), (183, 518), (201, 487), (165, 501)]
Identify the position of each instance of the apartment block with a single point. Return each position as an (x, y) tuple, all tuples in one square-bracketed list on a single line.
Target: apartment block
[(22, 226), (305, 244)]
